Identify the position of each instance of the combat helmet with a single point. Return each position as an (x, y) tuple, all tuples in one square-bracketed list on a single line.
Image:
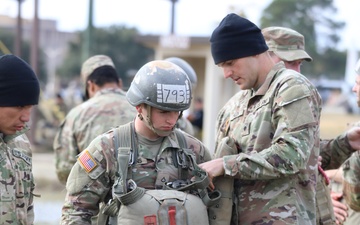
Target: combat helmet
[(357, 67), (189, 70), (161, 84)]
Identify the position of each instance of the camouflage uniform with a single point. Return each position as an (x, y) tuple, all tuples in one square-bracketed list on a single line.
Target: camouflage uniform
[(185, 125), (19, 92), (276, 129), (17, 181), (335, 152), (351, 168), (107, 109), (351, 183), (337, 187), (86, 189), (289, 45)]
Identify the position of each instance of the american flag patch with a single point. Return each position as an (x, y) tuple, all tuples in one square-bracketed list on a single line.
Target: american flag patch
[(87, 161)]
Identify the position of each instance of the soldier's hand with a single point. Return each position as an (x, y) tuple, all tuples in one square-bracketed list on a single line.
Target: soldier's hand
[(214, 168), (340, 209), (319, 160), (353, 136)]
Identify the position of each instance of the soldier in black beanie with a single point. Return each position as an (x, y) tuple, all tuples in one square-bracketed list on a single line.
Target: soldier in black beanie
[(274, 123), (19, 91), (18, 83)]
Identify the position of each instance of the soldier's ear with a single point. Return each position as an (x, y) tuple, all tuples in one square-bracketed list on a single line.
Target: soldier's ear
[(139, 108), (120, 84), (92, 88)]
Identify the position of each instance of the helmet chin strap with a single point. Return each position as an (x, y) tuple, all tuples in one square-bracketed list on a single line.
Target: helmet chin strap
[(150, 125)]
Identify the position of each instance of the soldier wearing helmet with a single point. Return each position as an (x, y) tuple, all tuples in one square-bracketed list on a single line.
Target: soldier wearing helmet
[(159, 92), (106, 107), (183, 123), (188, 69)]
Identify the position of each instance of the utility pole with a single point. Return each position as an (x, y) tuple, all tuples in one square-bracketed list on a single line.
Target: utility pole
[(88, 34), (34, 61), (34, 48), (18, 37), (172, 29)]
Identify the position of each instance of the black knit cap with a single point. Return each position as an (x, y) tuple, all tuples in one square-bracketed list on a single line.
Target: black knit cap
[(18, 83), (236, 37)]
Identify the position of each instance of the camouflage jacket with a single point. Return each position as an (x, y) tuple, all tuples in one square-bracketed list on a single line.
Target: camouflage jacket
[(107, 109), (351, 183), (185, 125), (335, 152), (276, 129), (88, 185), (17, 181)]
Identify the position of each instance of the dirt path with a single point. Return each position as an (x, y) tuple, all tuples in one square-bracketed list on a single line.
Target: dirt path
[(48, 206)]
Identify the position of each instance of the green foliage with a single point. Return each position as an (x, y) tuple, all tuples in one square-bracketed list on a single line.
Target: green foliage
[(72, 62), (118, 42), (313, 19)]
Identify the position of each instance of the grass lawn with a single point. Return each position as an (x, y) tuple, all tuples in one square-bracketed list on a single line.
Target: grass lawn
[(333, 124)]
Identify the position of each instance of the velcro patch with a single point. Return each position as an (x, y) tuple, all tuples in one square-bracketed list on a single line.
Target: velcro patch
[(87, 161), (21, 155)]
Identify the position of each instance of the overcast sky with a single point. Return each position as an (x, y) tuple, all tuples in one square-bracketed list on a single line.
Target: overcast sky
[(193, 17)]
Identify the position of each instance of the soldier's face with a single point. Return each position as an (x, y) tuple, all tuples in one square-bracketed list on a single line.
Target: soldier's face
[(293, 65), (243, 71), (356, 89), (164, 120), (13, 119), (155, 123)]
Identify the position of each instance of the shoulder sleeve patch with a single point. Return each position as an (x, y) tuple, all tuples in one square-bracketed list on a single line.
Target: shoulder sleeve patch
[(293, 93), (87, 161)]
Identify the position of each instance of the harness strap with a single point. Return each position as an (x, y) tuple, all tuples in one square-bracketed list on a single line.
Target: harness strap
[(132, 196), (210, 199), (183, 169), (181, 139), (126, 153), (201, 179)]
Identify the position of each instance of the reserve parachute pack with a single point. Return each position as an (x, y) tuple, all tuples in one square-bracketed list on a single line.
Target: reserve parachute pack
[(182, 202), (225, 211)]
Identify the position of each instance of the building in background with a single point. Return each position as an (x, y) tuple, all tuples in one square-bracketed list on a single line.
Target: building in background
[(52, 43)]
